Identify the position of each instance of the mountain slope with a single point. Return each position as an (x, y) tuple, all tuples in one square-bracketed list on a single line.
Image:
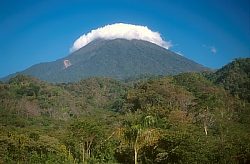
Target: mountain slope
[(235, 77), (118, 58)]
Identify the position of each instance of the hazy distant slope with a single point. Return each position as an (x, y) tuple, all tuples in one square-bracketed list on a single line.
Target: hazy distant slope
[(118, 58)]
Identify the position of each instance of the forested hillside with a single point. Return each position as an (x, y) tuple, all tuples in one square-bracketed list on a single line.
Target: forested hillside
[(186, 118), (235, 77)]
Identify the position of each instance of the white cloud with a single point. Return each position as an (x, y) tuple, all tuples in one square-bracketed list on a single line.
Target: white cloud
[(121, 30), (213, 50), (179, 53)]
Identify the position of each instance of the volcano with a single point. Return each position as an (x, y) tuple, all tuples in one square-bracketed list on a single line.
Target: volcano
[(116, 58)]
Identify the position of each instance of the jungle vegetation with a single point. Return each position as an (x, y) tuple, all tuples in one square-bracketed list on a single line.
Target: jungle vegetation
[(185, 118)]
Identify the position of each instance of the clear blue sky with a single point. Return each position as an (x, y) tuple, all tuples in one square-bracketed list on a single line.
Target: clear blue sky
[(33, 31)]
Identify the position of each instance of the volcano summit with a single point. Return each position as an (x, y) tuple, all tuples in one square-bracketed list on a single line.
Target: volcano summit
[(117, 51)]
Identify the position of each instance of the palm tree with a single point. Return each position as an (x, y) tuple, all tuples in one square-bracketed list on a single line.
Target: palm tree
[(140, 133)]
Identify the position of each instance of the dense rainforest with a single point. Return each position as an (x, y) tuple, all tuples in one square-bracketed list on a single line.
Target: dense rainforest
[(185, 118)]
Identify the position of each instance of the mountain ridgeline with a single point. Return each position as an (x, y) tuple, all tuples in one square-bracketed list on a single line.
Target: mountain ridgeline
[(118, 58), (185, 118)]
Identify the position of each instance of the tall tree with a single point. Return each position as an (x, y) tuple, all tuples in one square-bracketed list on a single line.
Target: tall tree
[(140, 132)]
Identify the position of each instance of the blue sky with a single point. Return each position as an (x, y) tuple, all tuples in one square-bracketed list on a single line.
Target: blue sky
[(211, 33)]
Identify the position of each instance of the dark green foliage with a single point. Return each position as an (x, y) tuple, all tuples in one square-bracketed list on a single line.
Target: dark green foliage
[(31, 97), (185, 118), (235, 77), (97, 92)]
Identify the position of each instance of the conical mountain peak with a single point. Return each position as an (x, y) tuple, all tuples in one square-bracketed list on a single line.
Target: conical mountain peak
[(116, 58)]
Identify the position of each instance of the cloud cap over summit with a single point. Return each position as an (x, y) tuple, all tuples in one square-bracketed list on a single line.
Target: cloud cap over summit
[(121, 30)]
